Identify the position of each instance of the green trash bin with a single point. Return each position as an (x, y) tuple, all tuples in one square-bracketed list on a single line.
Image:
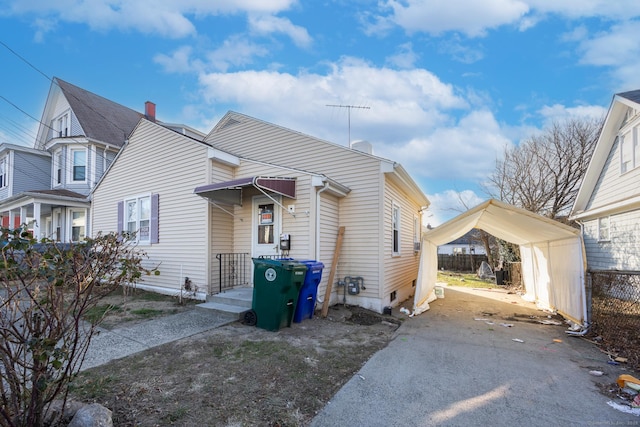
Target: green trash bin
[(276, 285)]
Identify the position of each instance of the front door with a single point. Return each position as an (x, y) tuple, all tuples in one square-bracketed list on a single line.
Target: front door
[(266, 227)]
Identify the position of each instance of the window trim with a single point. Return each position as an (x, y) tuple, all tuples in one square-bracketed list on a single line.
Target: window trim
[(153, 217), (396, 229), (71, 159), (70, 212), (601, 229), (58, 167), (4, 171), (628, 141)]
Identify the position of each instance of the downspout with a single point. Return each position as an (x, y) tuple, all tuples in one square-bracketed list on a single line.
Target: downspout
[(317, 245)]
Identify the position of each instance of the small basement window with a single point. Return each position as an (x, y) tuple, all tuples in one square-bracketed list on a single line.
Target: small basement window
[(392, 296)]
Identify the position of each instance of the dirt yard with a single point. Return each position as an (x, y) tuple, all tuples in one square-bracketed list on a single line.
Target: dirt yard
[(235, 375)]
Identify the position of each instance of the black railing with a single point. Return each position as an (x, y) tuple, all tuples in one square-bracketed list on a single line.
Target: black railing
[(233, 270)]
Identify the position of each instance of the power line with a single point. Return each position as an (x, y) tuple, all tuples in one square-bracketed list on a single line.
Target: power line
[(349, 108)]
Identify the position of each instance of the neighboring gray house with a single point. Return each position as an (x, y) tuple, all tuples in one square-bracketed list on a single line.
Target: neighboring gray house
[(80, 134), (608, 202)]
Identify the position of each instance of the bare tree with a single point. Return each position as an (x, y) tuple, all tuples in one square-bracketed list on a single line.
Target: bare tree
[(45, 291), (543, 173)]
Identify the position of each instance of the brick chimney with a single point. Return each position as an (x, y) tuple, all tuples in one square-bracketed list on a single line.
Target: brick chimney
[(150, 111)]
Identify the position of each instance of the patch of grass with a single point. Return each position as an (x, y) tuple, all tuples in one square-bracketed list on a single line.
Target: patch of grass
[(95, 314), (468, 280), (91, 386)]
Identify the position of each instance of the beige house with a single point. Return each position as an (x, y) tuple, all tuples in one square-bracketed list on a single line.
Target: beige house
[(203, 209)]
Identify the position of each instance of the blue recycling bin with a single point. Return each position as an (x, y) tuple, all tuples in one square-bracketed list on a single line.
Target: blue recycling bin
[(308, 291)]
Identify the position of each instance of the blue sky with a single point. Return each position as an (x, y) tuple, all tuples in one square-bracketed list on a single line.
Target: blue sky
[(448, 84)]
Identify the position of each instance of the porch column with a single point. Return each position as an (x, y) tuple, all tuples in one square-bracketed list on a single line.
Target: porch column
[(36, 220), (12, 219), (23, 215)]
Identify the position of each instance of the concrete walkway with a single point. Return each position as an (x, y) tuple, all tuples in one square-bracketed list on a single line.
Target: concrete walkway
[(456, 365), (114, 344)]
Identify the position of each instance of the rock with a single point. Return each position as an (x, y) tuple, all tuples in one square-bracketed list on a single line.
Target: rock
[(93, 415)]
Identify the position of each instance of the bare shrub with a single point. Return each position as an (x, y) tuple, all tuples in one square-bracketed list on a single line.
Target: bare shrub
[(46, 290)]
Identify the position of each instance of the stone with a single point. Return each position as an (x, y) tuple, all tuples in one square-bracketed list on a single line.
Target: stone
[(92, 415)]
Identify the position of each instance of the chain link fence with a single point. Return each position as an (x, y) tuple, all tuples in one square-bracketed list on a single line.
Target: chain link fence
[(615, 313)]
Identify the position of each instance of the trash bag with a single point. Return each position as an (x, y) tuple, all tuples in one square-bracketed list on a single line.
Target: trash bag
[(485, 272)]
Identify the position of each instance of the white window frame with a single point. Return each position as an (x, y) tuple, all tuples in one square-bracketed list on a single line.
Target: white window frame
[(604, 229), (71, 163), (4, 171), (58, 167), (138, 221), (396, 229), (70, 213), (629, 146)]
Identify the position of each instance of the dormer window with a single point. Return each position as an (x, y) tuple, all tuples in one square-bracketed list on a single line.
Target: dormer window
[(62, 126)]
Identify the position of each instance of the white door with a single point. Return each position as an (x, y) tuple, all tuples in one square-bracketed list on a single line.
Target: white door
[(265, 233)]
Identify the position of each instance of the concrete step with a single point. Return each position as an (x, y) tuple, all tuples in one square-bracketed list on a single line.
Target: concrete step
[(240, 296), (233, 301), (235, 310)]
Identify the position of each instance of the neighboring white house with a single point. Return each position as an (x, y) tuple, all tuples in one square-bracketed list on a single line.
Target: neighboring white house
[(608, 201), (251, 184), (469, 244)]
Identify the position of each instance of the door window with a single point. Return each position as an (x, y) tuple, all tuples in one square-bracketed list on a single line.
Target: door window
[(265, 224)]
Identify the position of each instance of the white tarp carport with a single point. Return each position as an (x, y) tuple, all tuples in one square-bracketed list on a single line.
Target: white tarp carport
[(552, 255)]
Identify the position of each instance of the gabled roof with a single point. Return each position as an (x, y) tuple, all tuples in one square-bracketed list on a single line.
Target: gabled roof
[(393, 170), (615, 116), (633, 95), (101, 119)]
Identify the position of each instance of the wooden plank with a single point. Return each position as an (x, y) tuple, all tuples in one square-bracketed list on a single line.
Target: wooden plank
[(332, 273)]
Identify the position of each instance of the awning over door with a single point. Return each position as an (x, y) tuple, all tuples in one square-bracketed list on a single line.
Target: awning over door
[(230, 192)]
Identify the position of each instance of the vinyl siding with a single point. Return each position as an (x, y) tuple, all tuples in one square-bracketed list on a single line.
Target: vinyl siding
[(622, 252), (222, 225), (613, 186), (157, 160), (329, 225), (400, 270), (30, 172), (359, 212)]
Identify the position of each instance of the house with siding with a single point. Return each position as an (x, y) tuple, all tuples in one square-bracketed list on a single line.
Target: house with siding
[(250, 185), (47, 186), (608, 202)]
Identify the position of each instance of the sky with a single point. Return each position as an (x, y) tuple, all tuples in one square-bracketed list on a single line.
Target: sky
[(445, 85)]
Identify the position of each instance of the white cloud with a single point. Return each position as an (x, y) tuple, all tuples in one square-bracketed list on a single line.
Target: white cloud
[(574, 9), (559, 112), (619, 50), (236, 51), (268, 24), (472, 18), (465, 150), (399, 101), (179, 61), (169, 18), (405, 57), (475, 18), (449, 204)]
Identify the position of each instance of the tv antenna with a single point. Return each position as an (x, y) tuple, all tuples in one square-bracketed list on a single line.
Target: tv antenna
[(349, 108)]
